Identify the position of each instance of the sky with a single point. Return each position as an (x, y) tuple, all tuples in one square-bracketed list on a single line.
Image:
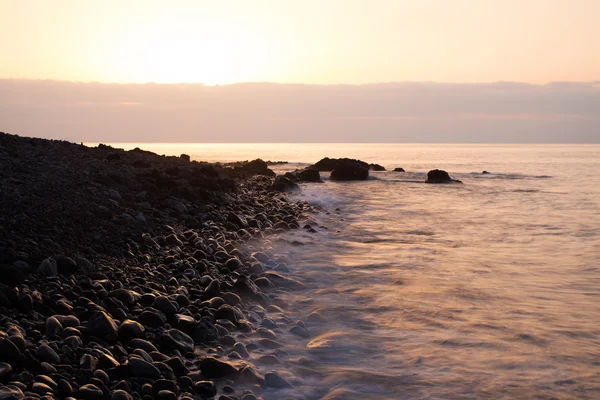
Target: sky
[(463, 70), (301, 41)]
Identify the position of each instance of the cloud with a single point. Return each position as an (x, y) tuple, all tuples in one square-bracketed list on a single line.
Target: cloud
[(567, 112)]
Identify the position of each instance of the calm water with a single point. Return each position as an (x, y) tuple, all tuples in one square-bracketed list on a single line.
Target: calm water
[(489, 289)]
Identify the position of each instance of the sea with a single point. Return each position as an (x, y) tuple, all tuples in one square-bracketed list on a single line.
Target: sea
[(489, 289)]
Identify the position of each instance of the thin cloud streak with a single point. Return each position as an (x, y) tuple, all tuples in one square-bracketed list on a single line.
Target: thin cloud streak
[(560, 112)]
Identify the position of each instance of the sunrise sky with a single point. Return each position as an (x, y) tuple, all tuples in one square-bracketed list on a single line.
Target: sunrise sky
[(371, 70), (308, 41)]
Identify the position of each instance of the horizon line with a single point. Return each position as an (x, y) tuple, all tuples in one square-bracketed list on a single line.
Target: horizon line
[(595, 81)]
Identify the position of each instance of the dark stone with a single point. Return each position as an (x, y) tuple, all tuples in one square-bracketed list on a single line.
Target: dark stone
[(216, 369), (6, 371), (233, 264), (285, 185), (176, 340), (9, 352), (153, 318), (120, 395), (349, 172), (143, 369), (129, 330), (329, 164), (65, 265), (376, 167), (308, 175), (205, 388), (48, 267), (439, 176), (90, 392), (102, 325), (258, 167), (399, 169), (46, 353), (274, 380)]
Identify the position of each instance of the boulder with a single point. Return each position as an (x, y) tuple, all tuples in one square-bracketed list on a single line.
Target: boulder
[(329, 164), (283, 184), (308, 175), (399, 169), (439, 176), (376, 167), (258, 167), (349, 172)]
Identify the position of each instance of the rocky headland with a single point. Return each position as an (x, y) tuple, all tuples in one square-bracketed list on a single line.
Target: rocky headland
[(125, 274)]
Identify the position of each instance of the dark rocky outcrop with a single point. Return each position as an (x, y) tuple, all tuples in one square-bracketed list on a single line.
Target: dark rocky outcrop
[(376, 167), (399, 169), (329, 164), (440, 176), (349, 172), (285, 184)]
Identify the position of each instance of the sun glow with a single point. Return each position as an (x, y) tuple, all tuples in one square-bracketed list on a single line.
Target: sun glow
[(212, 55)]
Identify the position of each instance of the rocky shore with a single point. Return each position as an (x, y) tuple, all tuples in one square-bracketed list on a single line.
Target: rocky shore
[(125, 274)]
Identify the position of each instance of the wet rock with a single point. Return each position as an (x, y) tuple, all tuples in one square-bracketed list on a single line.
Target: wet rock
[(41, 388), (165, 305), (213, 368), (6, 371), (152, 318), (439, 176), (53, 328), (46, 353), (143, 369), (11, 392), (349, 172), (308, 175), (300, 331), (120, 395), (102, 325), (143, 344), (129, 330), (285, 185), (274, 380), (90, 392), (399, 169), (205, 388), (376, 167), (174, 339)]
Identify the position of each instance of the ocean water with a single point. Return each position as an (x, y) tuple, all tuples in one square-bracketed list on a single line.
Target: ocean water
[(485, 290)]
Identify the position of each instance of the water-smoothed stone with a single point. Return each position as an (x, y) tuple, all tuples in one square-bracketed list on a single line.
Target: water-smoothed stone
[(240, 348), (274, 380), (11, 392), (90, 392), (73, 342), (88, 362), (53, 328), (185, 323), (143, 344), (47, 381), (41, 388), (6, 371), (205, 388), (128, 297), (177, 365), (46, 353), (213, 289), (102, 325), (229, 313), (174, 339), (120, 395), (165, 305), (233, 264), (48, 267), (64, 388), (214, 368), (166, 395), (130, 329), (68, 321), (143, 369), (249, 375), (153, 318), (300, 331)]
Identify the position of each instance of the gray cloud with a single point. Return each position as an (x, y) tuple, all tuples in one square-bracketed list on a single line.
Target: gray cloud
[(561, 112)]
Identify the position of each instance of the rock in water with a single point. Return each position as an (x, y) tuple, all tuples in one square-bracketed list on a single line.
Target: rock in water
[(177, 340), (399, 169), (350, 172), (274, 380), (213, 368), (102, 325), (439, 176), (283, 184)]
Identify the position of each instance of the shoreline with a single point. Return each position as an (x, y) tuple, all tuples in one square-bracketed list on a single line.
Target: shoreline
[(127, 274)]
